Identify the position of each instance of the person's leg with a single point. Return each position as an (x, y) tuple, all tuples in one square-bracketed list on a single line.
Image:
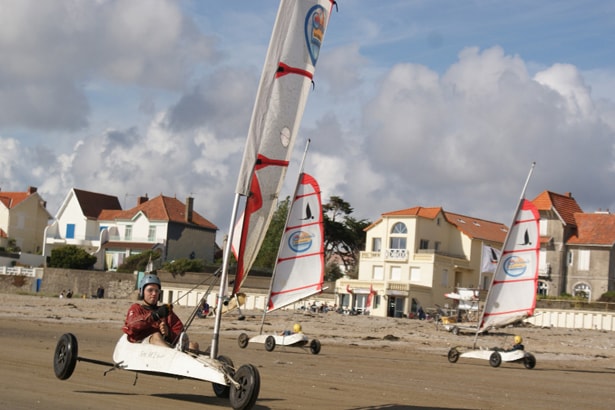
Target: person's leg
[(157, 339)]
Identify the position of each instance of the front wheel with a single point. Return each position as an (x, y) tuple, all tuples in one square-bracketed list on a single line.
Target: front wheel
[(244, 397), (453, 355), (529, 361), (243, 340), (495, 360), (270, 343), (65, 356), (221, 390), (315, 346)]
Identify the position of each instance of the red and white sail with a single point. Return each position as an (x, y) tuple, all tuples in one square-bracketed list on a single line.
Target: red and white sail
[(300, 268), (280, 102), (512, 296)]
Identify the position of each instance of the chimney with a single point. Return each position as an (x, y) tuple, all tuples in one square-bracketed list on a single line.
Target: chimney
[(31, 190), (142, 200), (189, 203)]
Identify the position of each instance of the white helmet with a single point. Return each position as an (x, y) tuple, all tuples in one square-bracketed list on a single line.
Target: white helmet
[(147, 280)]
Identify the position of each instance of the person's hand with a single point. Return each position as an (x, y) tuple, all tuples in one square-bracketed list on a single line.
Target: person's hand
[(164, 328), (161, 312)]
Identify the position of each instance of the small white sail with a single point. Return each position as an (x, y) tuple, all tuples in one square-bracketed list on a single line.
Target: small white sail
[(512, 296), (283, 89), (300, 268)]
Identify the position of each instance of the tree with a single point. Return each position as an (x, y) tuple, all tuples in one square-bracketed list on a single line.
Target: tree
[(344, 235), (71, 257), (137, 262), (268, 253), (181, 266)]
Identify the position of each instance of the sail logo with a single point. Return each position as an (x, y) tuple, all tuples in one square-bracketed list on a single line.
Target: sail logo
[(300, 241), (315, 31), (515, 266)]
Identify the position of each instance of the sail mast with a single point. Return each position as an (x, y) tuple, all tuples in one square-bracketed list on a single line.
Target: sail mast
[(479, 326), (307, 146)]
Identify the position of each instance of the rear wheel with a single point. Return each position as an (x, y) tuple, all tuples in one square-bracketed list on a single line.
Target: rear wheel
[(270, 343), (495, 360), (65, 356), (222, 390), (529, 361), (453, 355), (243, 340), (244, 396), (315, 346), (455, 331)]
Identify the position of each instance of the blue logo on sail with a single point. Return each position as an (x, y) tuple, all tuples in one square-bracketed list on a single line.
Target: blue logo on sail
[(515, 266), (315, 31), (300, 241)]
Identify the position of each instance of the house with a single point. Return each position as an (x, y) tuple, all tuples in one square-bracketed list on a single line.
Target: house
[(97, 223), (577, 254), (23, 219), (414, 256)]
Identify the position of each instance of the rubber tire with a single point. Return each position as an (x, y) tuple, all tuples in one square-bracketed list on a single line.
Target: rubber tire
[(455, 331), (495, 360), (529, 361), (221, 390), (65, 356), (453, 355), (270, 343), (249, 380), (243, 340), (315, 346)]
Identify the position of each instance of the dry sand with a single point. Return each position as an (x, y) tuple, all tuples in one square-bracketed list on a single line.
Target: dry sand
[(365, 363)]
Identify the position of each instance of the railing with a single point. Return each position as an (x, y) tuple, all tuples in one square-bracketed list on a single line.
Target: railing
[(17, 271), (396, 254)]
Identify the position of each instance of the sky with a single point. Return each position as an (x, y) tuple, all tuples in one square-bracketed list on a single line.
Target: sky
[(415, 103)]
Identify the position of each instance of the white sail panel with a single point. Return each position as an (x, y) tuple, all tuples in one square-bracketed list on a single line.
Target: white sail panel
[(512, 296), (283, 89), (300, 269)]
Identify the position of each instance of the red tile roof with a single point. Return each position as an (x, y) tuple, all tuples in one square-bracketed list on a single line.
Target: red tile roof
[(160, 208), (473, 227), (594, 229), (12, 199), (565, 205)]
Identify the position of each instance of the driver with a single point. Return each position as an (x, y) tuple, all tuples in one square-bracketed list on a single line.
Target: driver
[(150, 323)]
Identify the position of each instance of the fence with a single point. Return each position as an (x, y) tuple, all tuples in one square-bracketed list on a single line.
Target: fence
[(573, 319), (19, 271)]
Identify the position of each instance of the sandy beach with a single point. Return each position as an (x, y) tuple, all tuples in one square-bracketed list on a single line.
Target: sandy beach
[(365, 363)]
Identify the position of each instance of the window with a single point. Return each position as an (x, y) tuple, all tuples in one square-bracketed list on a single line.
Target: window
[(395, 273), (415, 274), (376, 244), (583, 262), (397, 243), (444, 278), (378, 273), (128, 233), (543, 288), (582, 290), (542, 260), (570, 259), (543, 227), (424, 244), (399, 228), (70, 231), (151, 235), (437, 245)]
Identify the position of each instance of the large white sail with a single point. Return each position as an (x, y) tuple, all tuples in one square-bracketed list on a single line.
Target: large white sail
[(512, 296), (284, 86), (300, 268)]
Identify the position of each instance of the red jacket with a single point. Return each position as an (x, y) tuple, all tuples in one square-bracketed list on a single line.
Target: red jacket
[(139, 323)]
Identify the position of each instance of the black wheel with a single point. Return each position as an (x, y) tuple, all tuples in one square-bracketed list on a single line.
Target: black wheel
[(244, 396), (221, 390), (243, 340), (495, 360), (529, 361), (453, 355), (270, 343), (455, 331), (65, 356), (315, 346)]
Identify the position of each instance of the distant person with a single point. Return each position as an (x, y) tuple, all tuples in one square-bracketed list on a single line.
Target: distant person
[(151, 323), (69, 294), (100, 292)]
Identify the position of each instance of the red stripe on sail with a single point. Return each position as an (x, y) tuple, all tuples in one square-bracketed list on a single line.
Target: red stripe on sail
[(284, 69)]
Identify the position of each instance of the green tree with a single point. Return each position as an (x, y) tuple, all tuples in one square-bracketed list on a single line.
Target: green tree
[(137, 262), (268, 252), (71, 257), (344, 235), (181, 266)]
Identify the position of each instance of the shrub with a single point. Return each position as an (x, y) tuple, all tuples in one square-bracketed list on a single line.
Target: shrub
[(71, 257), (137, 262), (181, 266), (607, 297)]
